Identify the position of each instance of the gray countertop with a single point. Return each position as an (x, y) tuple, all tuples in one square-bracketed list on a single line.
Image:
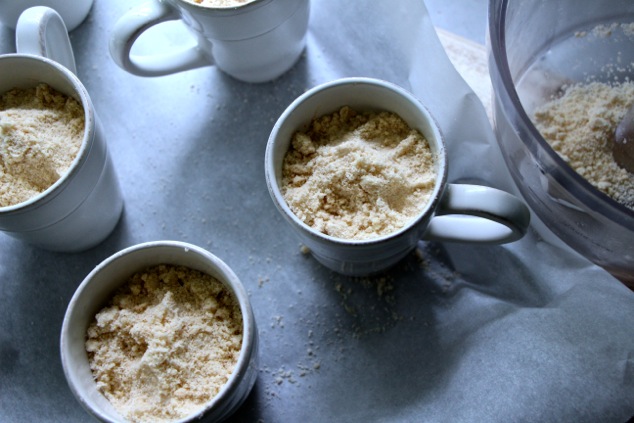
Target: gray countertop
[(420, 343)]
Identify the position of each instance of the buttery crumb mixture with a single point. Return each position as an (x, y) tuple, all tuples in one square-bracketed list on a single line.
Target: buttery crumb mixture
[(358, 175), (580, 127), (165, 344), (41, 131)]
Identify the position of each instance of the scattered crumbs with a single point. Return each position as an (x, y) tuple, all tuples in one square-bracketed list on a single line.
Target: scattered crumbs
[(607, 30), (421, 258), (369, 301), (628, 29), (262, 280), (278, 321), (282, 375), (363, 307), (604, 30)]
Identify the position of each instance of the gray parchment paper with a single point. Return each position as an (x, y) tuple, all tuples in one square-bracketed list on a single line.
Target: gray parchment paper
[(524, 332)]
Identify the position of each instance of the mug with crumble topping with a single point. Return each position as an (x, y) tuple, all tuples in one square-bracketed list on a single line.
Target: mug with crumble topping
[(448, 212), (83, 205), (164, 300)]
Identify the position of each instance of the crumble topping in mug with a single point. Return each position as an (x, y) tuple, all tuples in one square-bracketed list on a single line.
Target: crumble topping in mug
[(358, 175), (41, 131)]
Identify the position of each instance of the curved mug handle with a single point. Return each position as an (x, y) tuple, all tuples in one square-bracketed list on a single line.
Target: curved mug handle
[(478, 214), (130, 27), (41, 31)]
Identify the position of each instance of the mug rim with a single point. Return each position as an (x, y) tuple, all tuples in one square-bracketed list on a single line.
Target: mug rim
[(228, 9), (225, 275), (89, 132), (438, 149)]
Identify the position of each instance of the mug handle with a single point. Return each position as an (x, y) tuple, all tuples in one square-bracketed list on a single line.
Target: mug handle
[(130, 27), (478, 214), (41, 31)]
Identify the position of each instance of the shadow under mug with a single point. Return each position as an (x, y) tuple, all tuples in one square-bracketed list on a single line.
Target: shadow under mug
[(83, 207), (255, 42), (455, 212)]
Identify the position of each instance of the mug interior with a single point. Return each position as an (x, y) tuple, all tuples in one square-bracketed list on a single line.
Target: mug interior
[(363, 94), (238, 23), (27, 71), (247, 4), (96, 290)]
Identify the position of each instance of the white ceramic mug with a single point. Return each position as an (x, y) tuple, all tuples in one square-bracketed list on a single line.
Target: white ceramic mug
[(98, 287), (455, 212), (84, 205), (72, 12), (255, 42)]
